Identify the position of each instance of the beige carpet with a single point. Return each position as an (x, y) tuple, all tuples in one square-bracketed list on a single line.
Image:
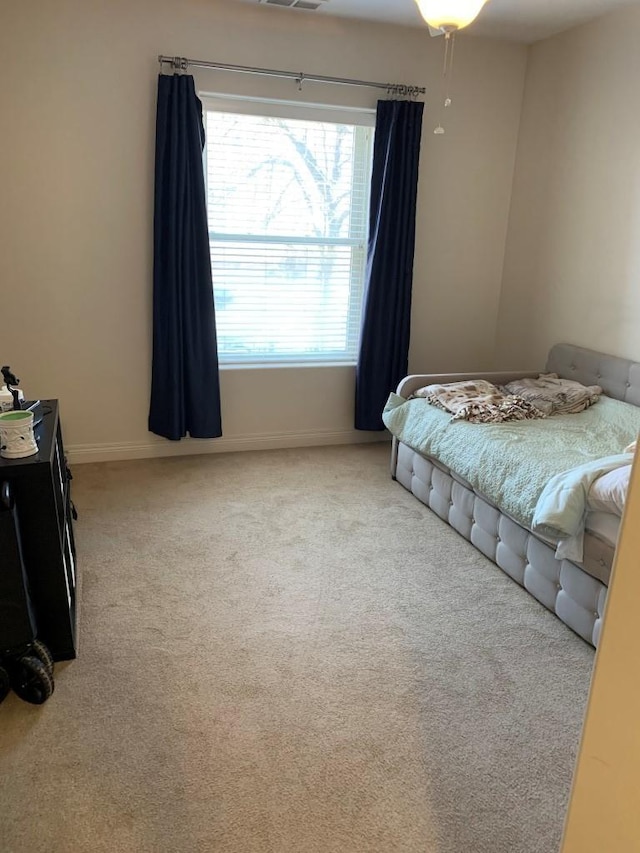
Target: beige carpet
[(284, 652)]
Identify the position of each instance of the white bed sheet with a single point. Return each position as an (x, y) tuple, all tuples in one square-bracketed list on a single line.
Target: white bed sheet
[(604, 525)]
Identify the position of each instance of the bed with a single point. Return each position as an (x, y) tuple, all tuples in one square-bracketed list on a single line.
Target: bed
[(575, 590)]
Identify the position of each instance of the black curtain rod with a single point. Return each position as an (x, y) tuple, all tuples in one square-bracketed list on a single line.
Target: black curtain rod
[(180, 63)]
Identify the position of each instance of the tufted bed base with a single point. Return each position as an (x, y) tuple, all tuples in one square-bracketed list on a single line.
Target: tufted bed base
[(567, 590), (576, 593)]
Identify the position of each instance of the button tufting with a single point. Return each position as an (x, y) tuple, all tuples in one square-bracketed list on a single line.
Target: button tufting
[(573, 367)]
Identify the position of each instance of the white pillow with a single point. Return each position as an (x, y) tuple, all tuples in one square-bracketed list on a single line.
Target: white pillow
[(609, 492)]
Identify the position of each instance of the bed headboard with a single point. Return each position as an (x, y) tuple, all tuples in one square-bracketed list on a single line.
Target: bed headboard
[(618, 377)]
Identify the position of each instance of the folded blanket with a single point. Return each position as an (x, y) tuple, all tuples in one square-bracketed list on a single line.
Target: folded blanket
[(562, 506), (478, 401), (555, 396), (609, 492)]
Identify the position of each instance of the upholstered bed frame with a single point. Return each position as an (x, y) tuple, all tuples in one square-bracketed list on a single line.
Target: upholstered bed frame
[(576, 593)]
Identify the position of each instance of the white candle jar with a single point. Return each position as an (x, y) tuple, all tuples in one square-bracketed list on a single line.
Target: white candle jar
[(16, 435)]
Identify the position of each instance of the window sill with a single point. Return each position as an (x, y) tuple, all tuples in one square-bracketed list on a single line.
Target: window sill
[(280, 365)]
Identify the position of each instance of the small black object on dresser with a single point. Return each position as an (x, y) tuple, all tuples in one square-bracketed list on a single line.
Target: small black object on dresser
[(41, 489)]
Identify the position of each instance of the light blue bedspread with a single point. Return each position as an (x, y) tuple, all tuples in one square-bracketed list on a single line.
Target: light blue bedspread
[(511, 463)]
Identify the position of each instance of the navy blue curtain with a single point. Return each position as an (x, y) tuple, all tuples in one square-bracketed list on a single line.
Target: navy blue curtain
[(185, 386), (384, 341)]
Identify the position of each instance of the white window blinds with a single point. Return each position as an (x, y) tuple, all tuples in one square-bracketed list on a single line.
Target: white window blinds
[(288, 207)]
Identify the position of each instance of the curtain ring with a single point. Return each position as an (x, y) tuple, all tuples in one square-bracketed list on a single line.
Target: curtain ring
[(179, 64)]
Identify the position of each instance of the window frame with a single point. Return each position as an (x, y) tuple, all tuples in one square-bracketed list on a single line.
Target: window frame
[(284, 109)]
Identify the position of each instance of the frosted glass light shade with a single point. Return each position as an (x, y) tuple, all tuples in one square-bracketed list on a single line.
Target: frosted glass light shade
[(450, 14)]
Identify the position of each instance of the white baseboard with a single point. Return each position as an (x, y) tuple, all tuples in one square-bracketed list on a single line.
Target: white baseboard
[(157, 447)]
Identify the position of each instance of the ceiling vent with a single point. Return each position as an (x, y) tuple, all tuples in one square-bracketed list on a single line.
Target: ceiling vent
[(309, 5)]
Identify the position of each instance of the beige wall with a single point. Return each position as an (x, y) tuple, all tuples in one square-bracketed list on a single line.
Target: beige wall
[(572, 272), (77, 100), (603, 813), (572, 265)]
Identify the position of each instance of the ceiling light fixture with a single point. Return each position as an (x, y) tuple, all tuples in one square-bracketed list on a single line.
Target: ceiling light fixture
[(446, 17), (450, 15)]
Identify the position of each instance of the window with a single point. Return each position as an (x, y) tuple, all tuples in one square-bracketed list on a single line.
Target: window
[(288, 207)]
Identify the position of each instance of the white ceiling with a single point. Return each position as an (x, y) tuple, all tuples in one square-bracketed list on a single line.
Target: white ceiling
[(521, 20)]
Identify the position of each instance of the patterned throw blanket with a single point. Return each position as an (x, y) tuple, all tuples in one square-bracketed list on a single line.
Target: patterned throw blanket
[(555, 396), (479, 402)]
